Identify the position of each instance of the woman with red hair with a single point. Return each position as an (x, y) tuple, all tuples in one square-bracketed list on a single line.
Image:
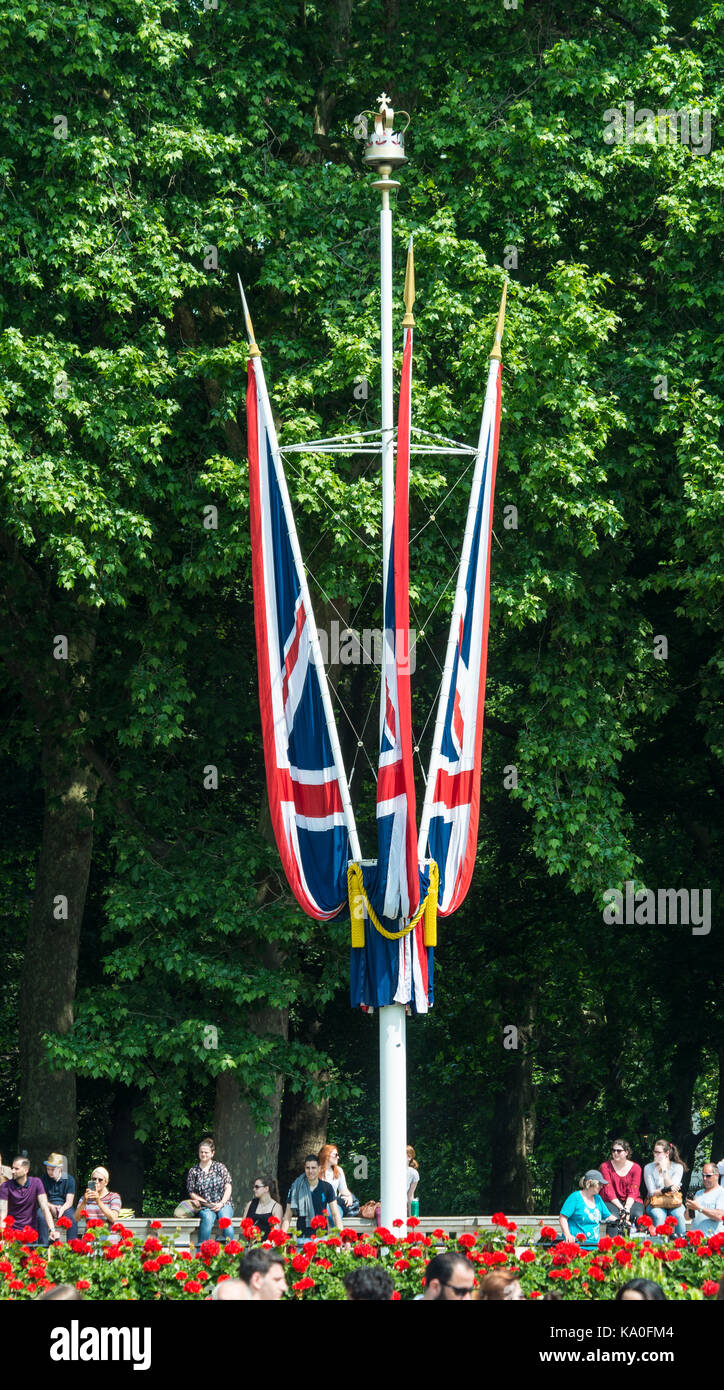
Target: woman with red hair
[(331, 1172)]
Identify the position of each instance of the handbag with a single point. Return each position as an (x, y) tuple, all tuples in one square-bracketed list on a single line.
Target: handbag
[(668, 1200), (367, 1211)]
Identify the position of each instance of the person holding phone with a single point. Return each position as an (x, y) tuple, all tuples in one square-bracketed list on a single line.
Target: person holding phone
[(99, 1203)]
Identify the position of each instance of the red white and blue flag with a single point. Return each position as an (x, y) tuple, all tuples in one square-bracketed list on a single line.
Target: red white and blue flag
[(449, 828), (305, 782), (396, 971)]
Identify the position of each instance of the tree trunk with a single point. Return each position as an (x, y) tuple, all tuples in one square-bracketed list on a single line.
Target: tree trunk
[(304, 1122), (47, 992), (513, 1122), (717, 1138), (239, 1145), (125, 1151)]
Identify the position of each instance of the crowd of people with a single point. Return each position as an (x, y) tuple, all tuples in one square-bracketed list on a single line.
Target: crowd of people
[(612, 1195)]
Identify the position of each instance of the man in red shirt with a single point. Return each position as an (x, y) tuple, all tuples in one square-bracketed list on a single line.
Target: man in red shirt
[(22, 1195)]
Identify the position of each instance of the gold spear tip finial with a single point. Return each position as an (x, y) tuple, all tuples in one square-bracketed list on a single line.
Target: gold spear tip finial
[(253, 349), (409, 291), (496, 352)]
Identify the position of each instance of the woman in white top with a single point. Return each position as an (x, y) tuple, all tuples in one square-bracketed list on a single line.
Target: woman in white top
[(330, 1171), (666, 1171), (413, 1177)]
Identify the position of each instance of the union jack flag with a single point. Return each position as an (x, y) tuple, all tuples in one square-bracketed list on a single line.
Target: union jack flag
[(305, 782), (449, 827), (396, 971)]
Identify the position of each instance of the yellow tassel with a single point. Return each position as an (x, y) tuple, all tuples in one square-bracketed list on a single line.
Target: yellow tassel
[(430, 925), (355, 891)]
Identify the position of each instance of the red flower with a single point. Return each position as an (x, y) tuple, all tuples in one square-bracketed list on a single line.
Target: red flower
[(181, 1274), (703, 1252), (499, 1218), (527, 1257), (222, 1277), (5, 1267), (202, 1275), (64, 1222), (413, 1221), (151, 1245), (223, 1223), (82, 1284), (646, 1222), (398, 1222), (193, 1286), (535, 1293), (184, 1254), (415, 1252), (164, 1259), (155, 1225), (279, 1238), (694, 1237), (301, 1284), (605, 1243), (440, 1234), (78, 1247), (233, 1247), (16, 1285), (300, 1263), (548, 1232), (347, 1233), (623, 1257), (209, 1248), (272, 1221), (363, 1250), (467, 1240), (326, 1264), (309, 1248), (595, 1273), (318, 1223), (333, 1242), (684, 1286), (402, 1264), (151, 1266), (710, 1288), (513, 1227), (395, 1296)]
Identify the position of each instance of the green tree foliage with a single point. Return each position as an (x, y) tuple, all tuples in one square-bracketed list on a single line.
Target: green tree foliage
[(151, 153)]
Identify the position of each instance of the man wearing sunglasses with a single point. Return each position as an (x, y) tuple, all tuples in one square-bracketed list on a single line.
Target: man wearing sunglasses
[(448, 1276)]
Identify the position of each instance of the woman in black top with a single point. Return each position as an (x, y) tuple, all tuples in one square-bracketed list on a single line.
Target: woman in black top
[(265, 1203)]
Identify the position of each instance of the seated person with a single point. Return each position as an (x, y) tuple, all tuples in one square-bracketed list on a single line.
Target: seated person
[(60, 1192), (622, 1192), (308, 1197), (99, 1203), (706, 1207), (584, 1210)]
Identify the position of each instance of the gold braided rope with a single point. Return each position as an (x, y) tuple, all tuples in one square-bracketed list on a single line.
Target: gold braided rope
[(356, 889)]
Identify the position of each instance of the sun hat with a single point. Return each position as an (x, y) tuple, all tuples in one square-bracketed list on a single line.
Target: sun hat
[(54, 1161), (593, 1175)]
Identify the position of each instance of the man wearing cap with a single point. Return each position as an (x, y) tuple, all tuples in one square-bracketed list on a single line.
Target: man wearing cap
[(22, 1197), (583, 1212), (60, 1192)]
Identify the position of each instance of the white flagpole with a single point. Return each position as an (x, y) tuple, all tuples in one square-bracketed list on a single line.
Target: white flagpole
[(384, 154), (255, 355)]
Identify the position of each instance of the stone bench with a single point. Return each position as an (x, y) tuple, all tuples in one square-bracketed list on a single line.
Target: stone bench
[(183, 1229)]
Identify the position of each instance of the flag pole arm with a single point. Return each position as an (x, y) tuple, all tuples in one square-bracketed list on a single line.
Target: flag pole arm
[(255, 355)]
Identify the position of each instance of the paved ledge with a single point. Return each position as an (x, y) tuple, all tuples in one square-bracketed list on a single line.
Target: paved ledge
[(184, 1229)]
